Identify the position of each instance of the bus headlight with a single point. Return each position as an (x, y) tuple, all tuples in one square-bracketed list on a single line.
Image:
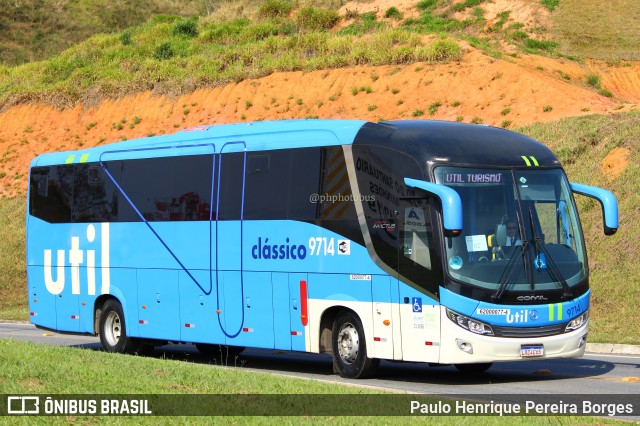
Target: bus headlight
[(470, 324), (577, 322)]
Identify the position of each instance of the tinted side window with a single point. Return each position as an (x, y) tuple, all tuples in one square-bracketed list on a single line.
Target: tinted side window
[(398, 217), (96, 198), (171, 188), (230, 167), (280, 183), (308, 184), (51, 193)]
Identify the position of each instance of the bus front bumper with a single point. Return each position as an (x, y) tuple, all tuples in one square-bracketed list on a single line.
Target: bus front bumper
[(460, 346)]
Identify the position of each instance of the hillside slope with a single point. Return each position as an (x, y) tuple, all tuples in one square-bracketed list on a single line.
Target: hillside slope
[(478, 89)]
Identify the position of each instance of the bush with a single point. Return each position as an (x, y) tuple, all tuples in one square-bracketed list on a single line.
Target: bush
[(259, 31), (275, 8), (426, 4), (226, 32), (593, 80), (186, 27), (439, 51), (125, 38), (533, 43), (164, 51), (164, 19), (551, 4), (314, 18), (393, 13)]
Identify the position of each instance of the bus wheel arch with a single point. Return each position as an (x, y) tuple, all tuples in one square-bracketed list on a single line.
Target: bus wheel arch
[(97, 311), (349, 347), (326, 327), (113, 331)]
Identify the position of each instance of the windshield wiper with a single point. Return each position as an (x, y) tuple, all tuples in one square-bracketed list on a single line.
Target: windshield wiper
[(505, 278), (554, 271)]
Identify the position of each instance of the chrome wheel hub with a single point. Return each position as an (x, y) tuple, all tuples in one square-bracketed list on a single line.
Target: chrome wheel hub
[(348, 343), (112, 328)]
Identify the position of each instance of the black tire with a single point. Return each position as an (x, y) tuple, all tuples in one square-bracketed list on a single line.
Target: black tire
[(222, 352), (350, 348), (473, 368), (113, 332)]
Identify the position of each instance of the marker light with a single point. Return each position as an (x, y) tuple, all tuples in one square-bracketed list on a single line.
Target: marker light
[(469, 324), (577, 322)]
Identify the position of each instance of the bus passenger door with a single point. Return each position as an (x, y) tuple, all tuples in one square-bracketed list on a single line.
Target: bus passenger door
[(419, 267), (384, 291), (281, 311), (289, 305)]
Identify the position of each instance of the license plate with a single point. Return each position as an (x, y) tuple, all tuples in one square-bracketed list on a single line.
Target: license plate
[(527, 351)]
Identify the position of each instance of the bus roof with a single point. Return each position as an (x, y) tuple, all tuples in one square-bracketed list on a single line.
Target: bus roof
[(446, 142), (255, 136), (423, 139)]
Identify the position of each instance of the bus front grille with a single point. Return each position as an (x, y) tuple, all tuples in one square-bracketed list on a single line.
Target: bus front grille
[(528, 332)]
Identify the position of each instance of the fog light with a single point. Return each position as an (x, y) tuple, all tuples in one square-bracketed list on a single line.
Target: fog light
[(464, 346), (583, 341)]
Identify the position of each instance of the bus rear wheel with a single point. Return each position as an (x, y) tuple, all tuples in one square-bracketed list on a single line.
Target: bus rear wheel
[(473, 368), (113, 332), (350, 349)]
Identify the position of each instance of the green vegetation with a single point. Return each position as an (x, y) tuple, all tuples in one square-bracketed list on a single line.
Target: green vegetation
[(275, 8), (593, 80), (238, 39), (595, 29), (393, 13), (364, 23), (433, 108), (315, 18), (28, 368), (178, 55), (32, 30), (550, 4), (581, 143), (13, 275)]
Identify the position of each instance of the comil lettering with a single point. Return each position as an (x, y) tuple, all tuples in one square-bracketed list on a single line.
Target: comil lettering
[(76, 258)]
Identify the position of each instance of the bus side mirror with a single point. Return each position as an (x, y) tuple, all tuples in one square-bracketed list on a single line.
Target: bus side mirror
[(450, 200), (607, 201)]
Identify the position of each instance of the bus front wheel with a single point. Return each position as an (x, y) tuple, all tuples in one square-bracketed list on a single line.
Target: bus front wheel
[(113, 333), (350, 349)]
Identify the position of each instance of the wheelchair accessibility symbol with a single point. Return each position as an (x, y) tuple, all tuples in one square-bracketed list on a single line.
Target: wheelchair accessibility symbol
[(417, 304)]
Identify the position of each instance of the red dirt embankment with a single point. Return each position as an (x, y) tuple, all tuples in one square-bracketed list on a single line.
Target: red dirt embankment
[(506, 92)]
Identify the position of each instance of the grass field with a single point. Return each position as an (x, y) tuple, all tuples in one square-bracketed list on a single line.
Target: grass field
[(615, 271), (172, 55), (597, 29), (34, 30), (27, 368), (581, 144)]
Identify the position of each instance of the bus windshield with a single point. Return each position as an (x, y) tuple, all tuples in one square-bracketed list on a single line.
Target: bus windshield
[(521, 231)]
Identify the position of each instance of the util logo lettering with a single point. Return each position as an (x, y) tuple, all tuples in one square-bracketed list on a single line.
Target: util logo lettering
[(77, 258)]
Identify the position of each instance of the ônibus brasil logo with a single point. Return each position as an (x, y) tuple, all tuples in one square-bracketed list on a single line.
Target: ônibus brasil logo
[(77, 257)]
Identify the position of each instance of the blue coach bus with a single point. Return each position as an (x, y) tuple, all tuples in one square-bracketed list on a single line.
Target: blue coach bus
[(419, 241)]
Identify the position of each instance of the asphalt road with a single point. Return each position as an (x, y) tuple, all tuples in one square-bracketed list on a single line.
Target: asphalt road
[(594, 374)]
